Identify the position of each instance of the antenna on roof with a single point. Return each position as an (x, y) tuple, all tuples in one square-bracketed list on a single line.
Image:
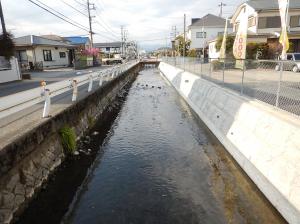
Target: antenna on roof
[(221, 5)]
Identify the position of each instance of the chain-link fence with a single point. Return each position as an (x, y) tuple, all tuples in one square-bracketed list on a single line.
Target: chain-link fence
[(274, 82)]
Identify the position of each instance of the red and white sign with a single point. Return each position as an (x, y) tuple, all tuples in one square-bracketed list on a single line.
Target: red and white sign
[(240, 42)]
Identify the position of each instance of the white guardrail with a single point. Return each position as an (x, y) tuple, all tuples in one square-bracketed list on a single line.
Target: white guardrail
[(22, 100)]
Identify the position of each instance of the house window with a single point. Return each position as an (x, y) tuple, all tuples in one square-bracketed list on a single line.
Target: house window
[(200, 34), (295, 21), (62, 54), (47, 55), (251, 22), (236, 27), (108, 49), (22, 56), (269, 22)]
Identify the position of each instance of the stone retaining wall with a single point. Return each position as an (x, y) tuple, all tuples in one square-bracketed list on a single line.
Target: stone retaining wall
[(27, 163)]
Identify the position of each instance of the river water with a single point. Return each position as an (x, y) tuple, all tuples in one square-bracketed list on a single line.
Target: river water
[(160, 164)]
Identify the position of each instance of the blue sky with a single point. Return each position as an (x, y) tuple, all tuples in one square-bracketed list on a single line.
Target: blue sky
[(147, 21)]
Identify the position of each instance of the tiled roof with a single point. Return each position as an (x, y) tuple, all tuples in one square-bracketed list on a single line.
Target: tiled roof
[(78, 40), (271, 4), (210, 20), (31, 40), (111, 44)]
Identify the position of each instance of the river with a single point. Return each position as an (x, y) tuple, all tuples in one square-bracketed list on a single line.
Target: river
[(160, 164)]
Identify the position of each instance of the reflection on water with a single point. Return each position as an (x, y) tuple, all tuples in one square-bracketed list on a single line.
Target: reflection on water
[(161, 165)]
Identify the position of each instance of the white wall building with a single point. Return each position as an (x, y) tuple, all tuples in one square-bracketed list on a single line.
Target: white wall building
[(202, 30), (264, 23), (37, 52), (109, 47), (9, 70)]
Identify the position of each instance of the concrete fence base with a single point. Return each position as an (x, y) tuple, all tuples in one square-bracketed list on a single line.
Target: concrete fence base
[(264, 141)]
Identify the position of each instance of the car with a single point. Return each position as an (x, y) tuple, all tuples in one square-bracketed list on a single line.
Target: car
[(292, 63)]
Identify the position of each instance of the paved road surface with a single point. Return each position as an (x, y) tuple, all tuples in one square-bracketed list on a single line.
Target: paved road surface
[(50, 76)]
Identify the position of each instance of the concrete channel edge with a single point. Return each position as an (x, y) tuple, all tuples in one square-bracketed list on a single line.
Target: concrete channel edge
[(265, 142)]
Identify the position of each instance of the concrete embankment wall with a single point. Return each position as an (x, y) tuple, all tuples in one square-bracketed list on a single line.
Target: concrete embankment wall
[(264, 141), (28, 162)]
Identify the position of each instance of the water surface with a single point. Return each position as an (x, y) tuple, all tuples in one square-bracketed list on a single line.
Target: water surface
[(161, 165)]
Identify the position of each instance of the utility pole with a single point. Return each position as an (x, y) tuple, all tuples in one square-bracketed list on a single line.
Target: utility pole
[(122, 39), (2, 20), (174, 33), (221, 5), (125, 34), (90, 22), (184, 35)]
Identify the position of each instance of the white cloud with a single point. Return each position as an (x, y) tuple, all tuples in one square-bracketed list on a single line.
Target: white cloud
[(144, 19)]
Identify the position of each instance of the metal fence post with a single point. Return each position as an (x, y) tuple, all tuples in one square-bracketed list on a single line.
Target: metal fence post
[(210, 68), (201, 62), (279, 85), (243, 75), (224, 67)]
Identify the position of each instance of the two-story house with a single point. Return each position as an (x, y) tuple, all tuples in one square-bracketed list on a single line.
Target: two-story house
[(264, 24), (203, 30), (109, 48)]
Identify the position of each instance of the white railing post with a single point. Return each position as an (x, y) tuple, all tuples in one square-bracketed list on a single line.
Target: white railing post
[(90, 83), (112, 73), (75, 90), (100, 79), (46, 111), (43, 87)]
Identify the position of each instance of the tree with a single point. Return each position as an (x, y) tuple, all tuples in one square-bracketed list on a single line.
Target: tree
[(179, 45), (229, 45), (192, 53), (253, 51), (7, 46)]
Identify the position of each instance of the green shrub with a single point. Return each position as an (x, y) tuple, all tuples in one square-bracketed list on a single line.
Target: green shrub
[(68, 138), (192, 53), (217, 65), (91, 121)]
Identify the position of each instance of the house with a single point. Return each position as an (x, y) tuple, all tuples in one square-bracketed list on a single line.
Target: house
[(264, 24), (80, 42), (109, 48), (36, 52), (204, 29)]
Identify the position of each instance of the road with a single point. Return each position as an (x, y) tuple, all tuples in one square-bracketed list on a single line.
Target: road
[(50, 76)]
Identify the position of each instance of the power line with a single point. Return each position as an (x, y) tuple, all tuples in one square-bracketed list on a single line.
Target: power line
[(108, 31), (62, 18), (78, 26), (168, 38), (80, 3), (104, 25), (74, 8)]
